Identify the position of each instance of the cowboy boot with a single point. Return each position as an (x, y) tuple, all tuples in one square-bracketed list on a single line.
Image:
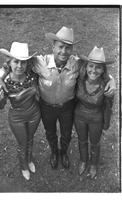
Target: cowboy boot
[(22, 154), (54, 156), (83, 149), (63, 152), (95, 153), (53, 143), (31, 164)]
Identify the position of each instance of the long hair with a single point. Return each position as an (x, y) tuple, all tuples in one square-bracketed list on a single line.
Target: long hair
[(83, 74)]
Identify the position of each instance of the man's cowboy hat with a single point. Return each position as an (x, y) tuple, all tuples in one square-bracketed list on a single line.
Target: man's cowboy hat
[(18, 50), (97, 56), (65, 35)]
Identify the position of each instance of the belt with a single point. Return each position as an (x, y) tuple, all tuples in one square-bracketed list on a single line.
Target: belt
[(60, 105)]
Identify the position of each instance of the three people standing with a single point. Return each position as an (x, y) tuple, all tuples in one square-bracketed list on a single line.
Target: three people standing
[(57, 77)]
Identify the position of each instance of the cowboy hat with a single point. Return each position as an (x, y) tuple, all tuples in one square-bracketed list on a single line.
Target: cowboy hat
[(18, 50), (97, 56), (65, 35)]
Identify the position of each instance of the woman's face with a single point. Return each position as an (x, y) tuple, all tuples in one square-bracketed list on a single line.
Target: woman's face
[(94, 70), (18, 67)]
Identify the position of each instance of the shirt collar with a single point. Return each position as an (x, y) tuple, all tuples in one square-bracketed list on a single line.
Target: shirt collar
[(72, 59), (51, 62)]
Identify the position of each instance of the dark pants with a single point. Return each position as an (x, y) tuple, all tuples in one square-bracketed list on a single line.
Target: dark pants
[(24, 129), (64, 114), (92, 131)]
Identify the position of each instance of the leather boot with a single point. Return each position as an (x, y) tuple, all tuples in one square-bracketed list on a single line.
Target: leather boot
[(22, 154), (95, 153), (82, 167), (93, 171), (83, 150), (54, 154), (63, 152), (54, 160), (65, 160), (31, 164)]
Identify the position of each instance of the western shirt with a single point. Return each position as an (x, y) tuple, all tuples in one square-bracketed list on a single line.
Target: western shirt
[(56, 87)]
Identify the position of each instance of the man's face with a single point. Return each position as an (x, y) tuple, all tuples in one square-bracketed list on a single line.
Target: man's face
[(62, 51)]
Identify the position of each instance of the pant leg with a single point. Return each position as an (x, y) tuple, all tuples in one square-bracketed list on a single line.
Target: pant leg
[(66, 118), (49, 119), (82, 131), (31, 129), (20, 132), (95, 132)]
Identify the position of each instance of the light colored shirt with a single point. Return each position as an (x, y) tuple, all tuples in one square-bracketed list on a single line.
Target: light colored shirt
[(55, 87)]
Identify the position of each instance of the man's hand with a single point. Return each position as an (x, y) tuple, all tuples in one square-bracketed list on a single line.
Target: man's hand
[(110, 87), (2, 85)]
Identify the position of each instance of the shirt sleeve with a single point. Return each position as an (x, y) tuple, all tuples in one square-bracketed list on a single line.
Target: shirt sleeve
[(39, 66)]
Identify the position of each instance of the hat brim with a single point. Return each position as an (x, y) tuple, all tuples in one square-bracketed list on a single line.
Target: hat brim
[(7, 53), (52, 37), (107, 62)]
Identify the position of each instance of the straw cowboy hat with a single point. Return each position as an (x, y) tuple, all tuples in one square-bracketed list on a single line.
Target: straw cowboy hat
[(97, 56), (65, 35), (18, 50)]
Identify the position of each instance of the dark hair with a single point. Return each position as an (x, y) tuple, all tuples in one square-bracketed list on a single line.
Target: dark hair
[(83, 74)]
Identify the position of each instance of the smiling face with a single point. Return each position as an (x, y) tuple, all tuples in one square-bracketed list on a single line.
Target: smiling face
[(18, 67), (94, 70), (62, 52)]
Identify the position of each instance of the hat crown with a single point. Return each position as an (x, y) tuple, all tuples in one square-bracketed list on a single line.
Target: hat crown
[(19, 49), (97, 54), (66, 34)]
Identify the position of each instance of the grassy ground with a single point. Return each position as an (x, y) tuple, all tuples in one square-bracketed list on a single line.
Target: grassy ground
[(95, 26)]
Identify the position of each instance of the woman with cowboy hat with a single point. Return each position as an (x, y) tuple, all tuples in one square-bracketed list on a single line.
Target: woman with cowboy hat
[(24, 112), (93, 109)]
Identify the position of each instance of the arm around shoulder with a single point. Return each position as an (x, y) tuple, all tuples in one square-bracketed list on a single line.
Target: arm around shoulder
[(110, 87)]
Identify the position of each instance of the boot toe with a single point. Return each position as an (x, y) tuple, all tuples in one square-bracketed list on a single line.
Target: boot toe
[(32, 167), (65, 161), (82, 167), (93, 171), (26, 174), (54, 161)]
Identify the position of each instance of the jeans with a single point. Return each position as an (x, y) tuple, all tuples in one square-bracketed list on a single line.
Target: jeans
[(23, 125), (64, 114), (91, 131)]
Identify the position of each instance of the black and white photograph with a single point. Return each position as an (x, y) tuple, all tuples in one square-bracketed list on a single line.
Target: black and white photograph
[(60, 99)]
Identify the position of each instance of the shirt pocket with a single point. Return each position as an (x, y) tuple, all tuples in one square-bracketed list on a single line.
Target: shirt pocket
[(70, 80)]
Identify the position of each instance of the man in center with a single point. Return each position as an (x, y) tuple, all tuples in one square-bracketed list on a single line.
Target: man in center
[(58, 73)]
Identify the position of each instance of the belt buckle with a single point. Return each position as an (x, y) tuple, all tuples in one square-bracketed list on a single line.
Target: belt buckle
[(57, 105)]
